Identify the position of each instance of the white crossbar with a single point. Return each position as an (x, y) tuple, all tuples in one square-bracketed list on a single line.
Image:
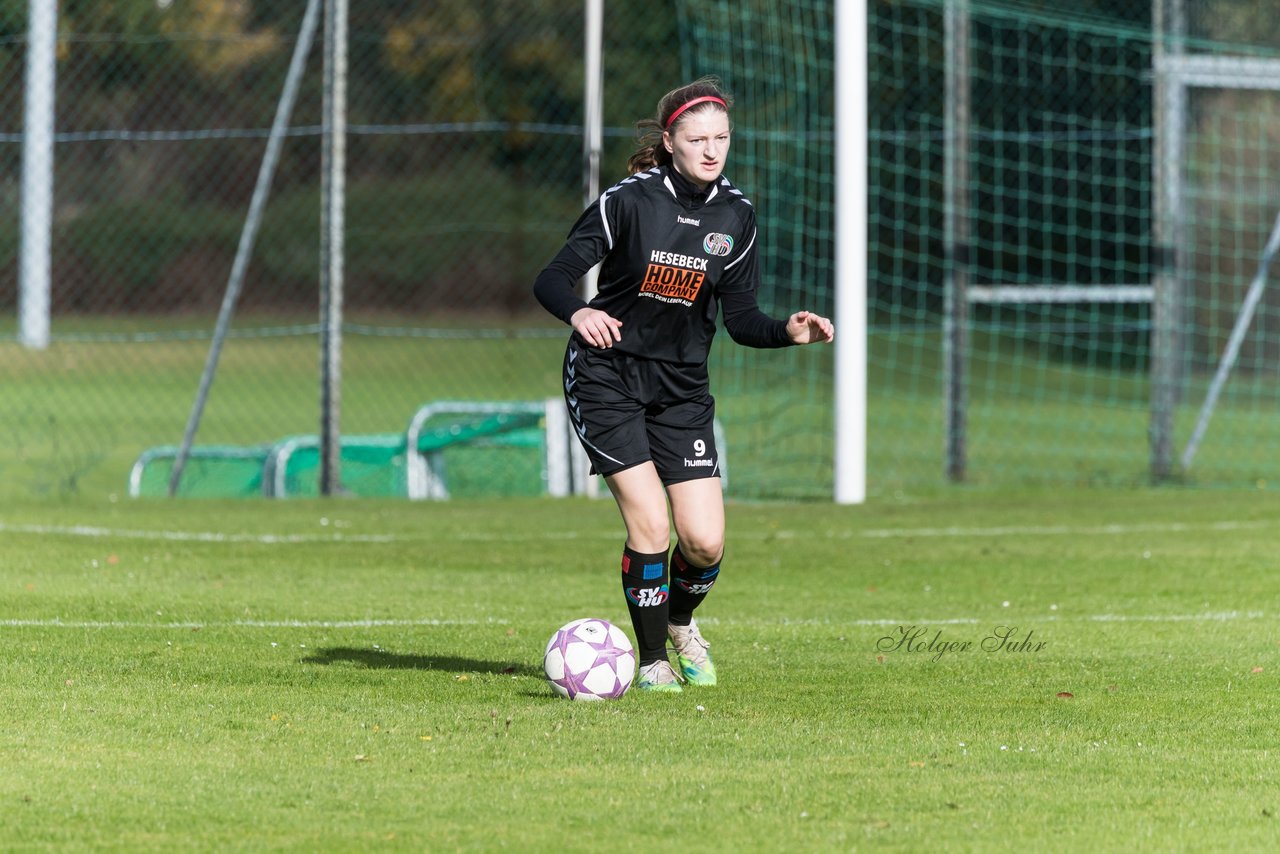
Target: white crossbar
[(1058, 293), (1221, 72)]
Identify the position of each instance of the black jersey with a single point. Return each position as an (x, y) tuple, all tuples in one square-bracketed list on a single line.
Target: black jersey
[(672, 255)]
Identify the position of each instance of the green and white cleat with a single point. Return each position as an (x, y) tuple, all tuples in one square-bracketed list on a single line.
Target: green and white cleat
[(694, 654), (659, 677)]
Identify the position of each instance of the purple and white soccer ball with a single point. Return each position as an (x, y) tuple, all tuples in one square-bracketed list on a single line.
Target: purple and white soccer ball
[(589, 660)]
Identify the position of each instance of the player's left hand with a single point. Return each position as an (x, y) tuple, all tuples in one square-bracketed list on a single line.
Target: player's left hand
[(805, 327)]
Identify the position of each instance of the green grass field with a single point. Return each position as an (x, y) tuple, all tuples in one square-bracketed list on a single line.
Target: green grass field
[(74, 418), (352, 675)]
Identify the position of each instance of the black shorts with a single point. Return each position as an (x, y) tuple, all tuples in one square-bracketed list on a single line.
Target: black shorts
[(627, 410)]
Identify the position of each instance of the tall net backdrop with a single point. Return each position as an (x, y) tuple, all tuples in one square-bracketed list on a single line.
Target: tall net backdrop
[(1042, 308), (778, 63)]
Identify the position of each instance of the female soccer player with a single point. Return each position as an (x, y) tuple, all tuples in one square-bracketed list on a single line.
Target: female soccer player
[(678, 242)]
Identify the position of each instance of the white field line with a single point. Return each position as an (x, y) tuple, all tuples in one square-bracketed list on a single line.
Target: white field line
[(1208, 617), (849, 534), (194, 536), (1065, 530), (56, 623)]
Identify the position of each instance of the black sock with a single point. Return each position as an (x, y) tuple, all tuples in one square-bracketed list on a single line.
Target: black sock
[(689, 586), (644, 580)]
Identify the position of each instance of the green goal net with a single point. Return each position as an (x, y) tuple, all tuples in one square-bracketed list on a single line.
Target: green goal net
[(1071, 212), (778, 62)]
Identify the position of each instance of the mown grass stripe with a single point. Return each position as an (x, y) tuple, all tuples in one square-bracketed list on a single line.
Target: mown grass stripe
[(872, 533), (55, 623)]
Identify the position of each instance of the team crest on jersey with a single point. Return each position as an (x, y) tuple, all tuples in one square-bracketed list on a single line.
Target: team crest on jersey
[(717, 244)]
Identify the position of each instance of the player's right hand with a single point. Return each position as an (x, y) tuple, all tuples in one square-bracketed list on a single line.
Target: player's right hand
[(596, 327)]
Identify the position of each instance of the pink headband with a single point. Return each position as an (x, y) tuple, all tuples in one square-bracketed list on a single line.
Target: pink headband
[(689, 104)]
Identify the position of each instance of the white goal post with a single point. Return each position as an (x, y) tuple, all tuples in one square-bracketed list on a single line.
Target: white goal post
[(850, 482)]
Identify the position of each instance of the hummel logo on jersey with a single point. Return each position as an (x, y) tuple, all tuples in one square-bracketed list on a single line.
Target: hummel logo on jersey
[(647, 597), (717, 244), (684, 220), (570, 371)]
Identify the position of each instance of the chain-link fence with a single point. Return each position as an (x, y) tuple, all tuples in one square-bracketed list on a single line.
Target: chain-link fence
[(1020, 242), (464, 173), (1069, 204)]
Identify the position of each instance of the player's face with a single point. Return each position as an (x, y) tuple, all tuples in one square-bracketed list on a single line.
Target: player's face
[(699, 145)]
